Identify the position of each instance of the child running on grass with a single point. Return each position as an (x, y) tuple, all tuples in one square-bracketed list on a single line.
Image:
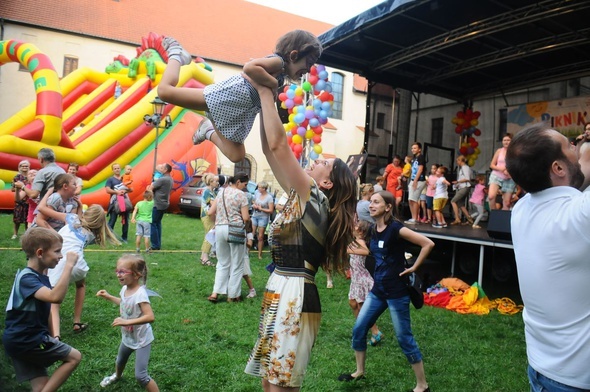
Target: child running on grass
[(26, 337), (361, 281), (142, 217), (77, 233), (135, 321), (232, 105)]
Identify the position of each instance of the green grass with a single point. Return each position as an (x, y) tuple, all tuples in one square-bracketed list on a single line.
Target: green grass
[(200, 346)]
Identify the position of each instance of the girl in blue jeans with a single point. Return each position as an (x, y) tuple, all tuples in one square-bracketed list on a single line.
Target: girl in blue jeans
[(389, 290)]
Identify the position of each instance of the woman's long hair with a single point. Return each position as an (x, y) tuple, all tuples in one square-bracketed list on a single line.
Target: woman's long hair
[(342, 198)]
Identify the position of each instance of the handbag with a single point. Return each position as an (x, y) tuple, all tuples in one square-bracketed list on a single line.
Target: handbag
[(235, 234), (414, 285)]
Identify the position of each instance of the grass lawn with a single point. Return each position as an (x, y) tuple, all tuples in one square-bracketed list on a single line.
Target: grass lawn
[(202, 347)]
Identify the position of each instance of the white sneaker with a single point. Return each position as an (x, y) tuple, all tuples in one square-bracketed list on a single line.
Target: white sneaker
[(411, 222), (108, 380), (251, 294), (14, 237), (201, 134), (175, 51)]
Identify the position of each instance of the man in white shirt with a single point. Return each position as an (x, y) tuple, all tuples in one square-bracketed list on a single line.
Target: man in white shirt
[(551, 239)]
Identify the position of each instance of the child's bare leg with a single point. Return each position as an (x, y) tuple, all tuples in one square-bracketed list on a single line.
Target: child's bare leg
[(248, 281), (54, 320), (189, 98), (235, 152), (146, 242), (65, 370), (260, 241), (79, 300), (152, 386)]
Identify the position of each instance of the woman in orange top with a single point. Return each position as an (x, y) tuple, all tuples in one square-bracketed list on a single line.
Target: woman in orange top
[(392, 175)]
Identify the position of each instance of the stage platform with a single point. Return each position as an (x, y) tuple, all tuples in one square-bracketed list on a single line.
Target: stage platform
[(459, 235)]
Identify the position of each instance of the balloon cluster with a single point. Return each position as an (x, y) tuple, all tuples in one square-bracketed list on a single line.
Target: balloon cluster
[(309, 105), (466, 122)]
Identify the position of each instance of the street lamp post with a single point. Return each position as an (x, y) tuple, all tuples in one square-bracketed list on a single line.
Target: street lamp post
[(155, 119)]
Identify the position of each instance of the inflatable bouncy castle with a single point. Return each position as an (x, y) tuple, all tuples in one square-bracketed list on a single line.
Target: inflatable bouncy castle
[(96, 118)]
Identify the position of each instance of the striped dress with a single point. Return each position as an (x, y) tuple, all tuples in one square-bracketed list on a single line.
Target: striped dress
[(291, 312)]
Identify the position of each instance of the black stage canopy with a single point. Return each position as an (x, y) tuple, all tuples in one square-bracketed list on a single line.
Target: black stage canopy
[(464, 49)]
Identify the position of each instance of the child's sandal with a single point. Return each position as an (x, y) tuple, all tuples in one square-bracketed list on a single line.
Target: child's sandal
[(80, 327)]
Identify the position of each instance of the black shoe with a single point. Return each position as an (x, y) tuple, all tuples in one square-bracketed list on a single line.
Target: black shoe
[(349, 377)]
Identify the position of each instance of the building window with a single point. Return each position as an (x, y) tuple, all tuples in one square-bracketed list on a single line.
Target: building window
[(503, 114), (381, 120), (337, 81), (70, 64), (436, 136), (244, 166)]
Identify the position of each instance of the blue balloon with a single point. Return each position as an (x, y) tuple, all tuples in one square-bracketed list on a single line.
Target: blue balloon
[(299, 118), (314, 122), (290, 94), (326, 106), (320, 85), (313, 155)]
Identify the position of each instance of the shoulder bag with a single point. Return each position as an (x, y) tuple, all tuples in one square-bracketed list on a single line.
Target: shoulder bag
[(235, 234), (414, 285)]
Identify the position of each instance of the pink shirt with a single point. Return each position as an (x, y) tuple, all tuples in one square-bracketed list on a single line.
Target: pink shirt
[(32, 207), (431, 185), (478, 195), (502, 163)]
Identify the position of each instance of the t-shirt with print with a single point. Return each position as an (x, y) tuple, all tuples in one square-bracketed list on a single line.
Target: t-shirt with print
[(416, 162), (56, 202), (135, 336)]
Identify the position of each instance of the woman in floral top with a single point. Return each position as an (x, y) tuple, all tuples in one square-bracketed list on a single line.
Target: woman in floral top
[(312, 230)]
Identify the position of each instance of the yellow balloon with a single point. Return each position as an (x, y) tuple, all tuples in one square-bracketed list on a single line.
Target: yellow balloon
[(318, 149), (474, 122), (298, 91), (295, 110), (84, 207), (309, 134), (297, 139), (292, 117)]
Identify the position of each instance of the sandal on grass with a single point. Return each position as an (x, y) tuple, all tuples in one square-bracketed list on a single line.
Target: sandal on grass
[(376, 339), (212, 298), (80, 327)]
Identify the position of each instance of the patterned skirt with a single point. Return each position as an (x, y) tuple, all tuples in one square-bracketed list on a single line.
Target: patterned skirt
[(21, 210), (289, 324)]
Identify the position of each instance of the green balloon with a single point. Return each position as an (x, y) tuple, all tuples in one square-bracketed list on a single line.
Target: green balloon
[(306, 86)]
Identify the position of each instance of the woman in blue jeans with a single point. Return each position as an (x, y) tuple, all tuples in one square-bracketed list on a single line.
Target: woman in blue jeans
[(389, 290)]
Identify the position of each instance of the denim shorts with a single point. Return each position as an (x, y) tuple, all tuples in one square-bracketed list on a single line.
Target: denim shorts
[(260, 221), (143, 229), (506, 185), (414, 194)]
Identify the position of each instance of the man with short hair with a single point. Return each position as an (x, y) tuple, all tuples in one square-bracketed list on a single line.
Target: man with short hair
[(161, 188), (46, 175), (551, 244)]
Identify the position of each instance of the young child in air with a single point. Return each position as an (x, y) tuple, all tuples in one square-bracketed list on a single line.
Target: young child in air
[(361, 281), (77, 233), (232, 105), (26, 337), (477, 199), (142, 217), (406, 172), (135, 320), (441, 197)]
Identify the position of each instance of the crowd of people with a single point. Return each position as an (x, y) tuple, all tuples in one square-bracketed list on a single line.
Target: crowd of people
[(321, 224)]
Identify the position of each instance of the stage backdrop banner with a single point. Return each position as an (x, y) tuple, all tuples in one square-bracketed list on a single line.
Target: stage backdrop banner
[(567, 116)]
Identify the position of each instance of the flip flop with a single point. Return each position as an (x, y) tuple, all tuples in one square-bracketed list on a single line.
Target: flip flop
[(207, 263), (80, 327)]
